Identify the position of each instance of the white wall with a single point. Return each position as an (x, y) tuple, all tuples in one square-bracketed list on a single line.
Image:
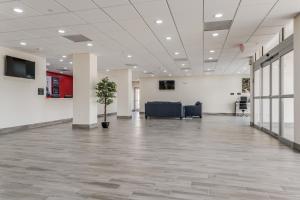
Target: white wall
[(212, 91), (19, 102)]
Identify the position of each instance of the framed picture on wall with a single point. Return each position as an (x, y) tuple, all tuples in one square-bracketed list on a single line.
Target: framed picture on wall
[(246, 85)]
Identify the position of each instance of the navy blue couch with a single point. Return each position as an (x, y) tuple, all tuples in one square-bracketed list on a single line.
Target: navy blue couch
[(163, 109)]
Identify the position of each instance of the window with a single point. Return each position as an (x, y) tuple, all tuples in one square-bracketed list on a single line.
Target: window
[(288, 119), (257, 83), (288, 73), (275, 116), (275, 78), (257, 120), (266, 81), (266, 114)]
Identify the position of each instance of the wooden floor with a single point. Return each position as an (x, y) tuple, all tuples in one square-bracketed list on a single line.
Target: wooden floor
[(215, 158)]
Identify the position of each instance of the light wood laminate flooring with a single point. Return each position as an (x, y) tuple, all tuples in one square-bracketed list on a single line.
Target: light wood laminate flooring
[(214, 158)]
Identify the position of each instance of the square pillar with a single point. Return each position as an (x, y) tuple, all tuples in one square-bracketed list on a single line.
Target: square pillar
[(124, 93), (84, 99)]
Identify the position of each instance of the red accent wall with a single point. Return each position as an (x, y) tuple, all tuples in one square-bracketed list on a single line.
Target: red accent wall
[(65, 83)]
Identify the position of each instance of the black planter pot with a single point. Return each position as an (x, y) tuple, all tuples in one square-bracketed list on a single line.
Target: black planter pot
[(105, 124)]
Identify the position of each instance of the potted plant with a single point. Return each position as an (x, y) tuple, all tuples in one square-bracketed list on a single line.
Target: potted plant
[(105, 91)]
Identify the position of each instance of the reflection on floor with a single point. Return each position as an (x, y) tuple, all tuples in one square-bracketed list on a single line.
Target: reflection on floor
[(287, 130), (215, 158)]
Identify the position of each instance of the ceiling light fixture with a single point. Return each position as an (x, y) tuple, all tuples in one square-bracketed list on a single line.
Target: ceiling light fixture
[(168, 38), (152, 75), (71, 63), (159, 21), (218, 15), (107, 70), (215, 34), (18, 10), (186, 70), (134, 66), (210, 58), (61, 31), (183, 64), (65, 68), (212, 51), (61, 60), (129, 56), (23, 43), (165, 71), (176, 53), (64, 56), (145, 72), (169, 74), (89, 44)]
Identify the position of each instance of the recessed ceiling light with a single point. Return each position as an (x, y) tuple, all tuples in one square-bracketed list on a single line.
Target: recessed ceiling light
[(183, 64), (165, 71), (238, 72), (215, 34), (212, 51), (23, 43), (71, 63), (89, 44), (159, 21), (210, 58), (134, 66), (65, 68), (129, 56), (176, 53), (61, 60), (107, 70), (169, 74), (186, 70), (152, 75), (168, 38), (64, 56), (218, 15), (18, 10), (61, 31), (145, 71)]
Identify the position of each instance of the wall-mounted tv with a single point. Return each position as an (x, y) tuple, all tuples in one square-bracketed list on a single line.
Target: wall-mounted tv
[(17, 67), (167, 85)]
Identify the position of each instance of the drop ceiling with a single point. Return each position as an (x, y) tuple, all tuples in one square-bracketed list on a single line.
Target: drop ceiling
[(119, 28)]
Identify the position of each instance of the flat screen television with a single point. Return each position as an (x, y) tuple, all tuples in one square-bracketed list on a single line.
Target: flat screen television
[(17, 67), (167, 85)]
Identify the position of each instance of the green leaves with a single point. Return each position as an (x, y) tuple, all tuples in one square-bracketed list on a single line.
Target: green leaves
[(105, 91)]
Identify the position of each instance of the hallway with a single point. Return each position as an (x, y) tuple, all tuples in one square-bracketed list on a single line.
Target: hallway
[(214, 158)]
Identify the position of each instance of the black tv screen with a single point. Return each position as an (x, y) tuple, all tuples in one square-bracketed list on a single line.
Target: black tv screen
[(167, 85), (17, 67)]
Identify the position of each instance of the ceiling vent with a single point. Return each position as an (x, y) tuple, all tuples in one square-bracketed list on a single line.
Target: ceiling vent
[(77, 38), (211, 61), (185, 68), (217, 26), (180, 59), (149, 73), (63, 70)]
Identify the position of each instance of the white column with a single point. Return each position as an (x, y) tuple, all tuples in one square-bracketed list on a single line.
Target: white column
[(296, 78), (124, 93), (84, 100), (251, 65)]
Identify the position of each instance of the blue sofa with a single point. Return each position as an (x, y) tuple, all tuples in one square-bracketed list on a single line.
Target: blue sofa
[(163, 109)]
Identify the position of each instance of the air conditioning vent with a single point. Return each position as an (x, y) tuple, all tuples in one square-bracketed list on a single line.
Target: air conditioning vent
[(217, 26), (211, 61), (77, 38)]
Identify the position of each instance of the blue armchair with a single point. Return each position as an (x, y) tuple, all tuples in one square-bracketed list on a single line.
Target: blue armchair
[(193, 110)]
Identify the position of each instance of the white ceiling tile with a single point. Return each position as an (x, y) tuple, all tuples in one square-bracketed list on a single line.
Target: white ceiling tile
[(77, 5)]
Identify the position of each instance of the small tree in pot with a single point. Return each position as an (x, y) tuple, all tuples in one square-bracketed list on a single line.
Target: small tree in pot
[(105, 91)]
